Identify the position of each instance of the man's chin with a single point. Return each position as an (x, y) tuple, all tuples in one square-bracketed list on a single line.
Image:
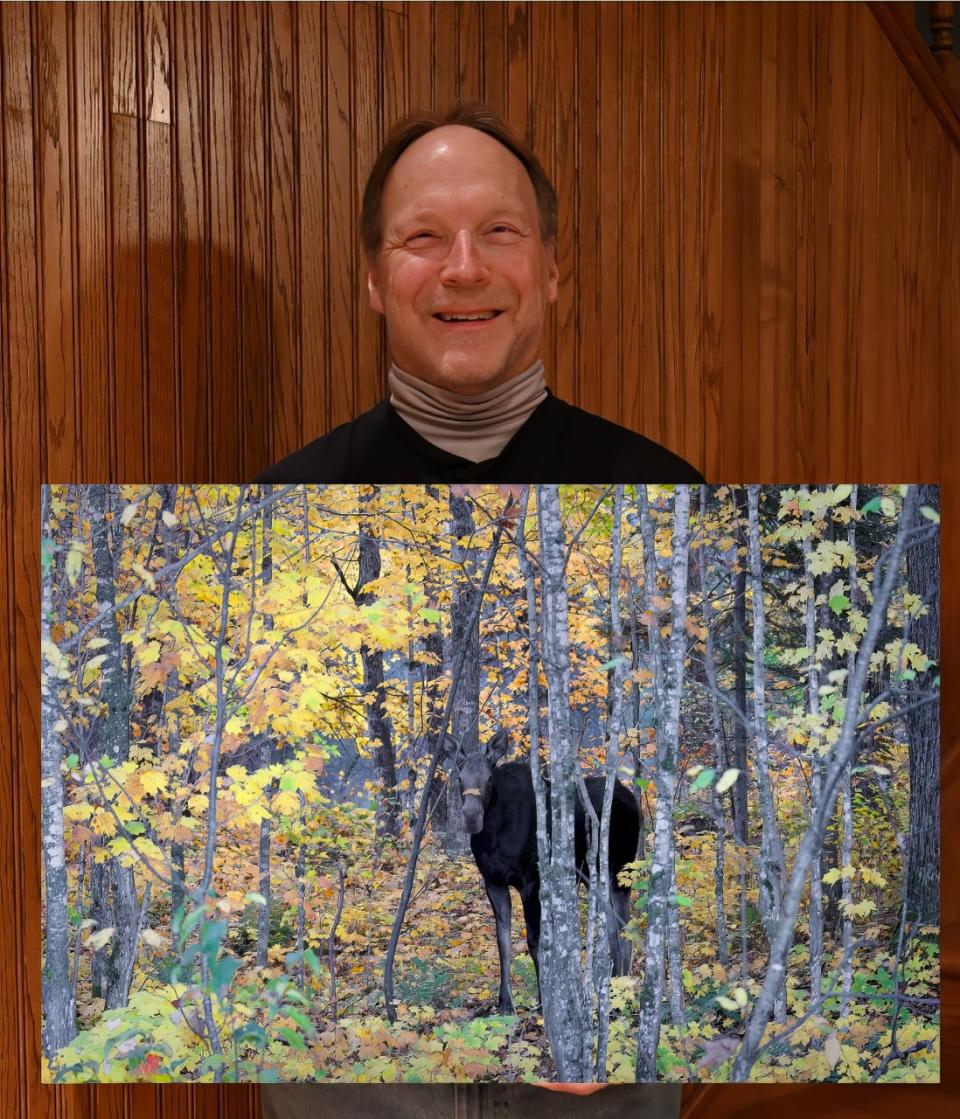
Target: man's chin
[(470, 380)]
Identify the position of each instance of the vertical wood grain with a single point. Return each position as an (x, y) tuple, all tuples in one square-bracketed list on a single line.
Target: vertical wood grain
[(191, 276), (314, 228), (221, 172), (164, 388), (257, 375), (126, 196), (57, 232), (20, 960), (284, 231), (95, 412), (367, 131)]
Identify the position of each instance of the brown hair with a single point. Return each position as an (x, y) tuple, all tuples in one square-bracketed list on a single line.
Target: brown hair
[(470, 115)]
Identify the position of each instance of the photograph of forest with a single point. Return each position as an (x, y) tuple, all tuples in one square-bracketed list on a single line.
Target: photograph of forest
[(476, 783)]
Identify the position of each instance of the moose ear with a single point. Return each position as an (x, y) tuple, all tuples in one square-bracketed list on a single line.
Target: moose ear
[(498, 746), (451, 747)]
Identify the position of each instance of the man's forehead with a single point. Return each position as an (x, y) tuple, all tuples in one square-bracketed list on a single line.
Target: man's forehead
[(458, 158)]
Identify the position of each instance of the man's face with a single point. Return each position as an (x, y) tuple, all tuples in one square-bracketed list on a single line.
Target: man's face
[(461, 237)]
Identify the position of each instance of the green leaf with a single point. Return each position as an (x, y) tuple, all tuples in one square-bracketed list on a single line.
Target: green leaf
[(872, 506), (223, 971), (135, 827), (293, 1038), (312, 962), (703, 779), (681, 900), (300, 1018), (211, 936), (930, 513), (839, 603)]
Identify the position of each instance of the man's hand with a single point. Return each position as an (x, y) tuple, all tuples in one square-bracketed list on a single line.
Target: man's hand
[(576, 1089)]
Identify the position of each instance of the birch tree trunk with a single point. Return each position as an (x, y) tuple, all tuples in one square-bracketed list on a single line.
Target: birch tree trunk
[(565, 1011), (846, 795), (716, 724), (771, 868), (59, 1005), (815, 919), (668, 679), (600, 871)]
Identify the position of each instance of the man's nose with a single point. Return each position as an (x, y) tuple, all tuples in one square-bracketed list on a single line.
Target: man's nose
[(464, 263)]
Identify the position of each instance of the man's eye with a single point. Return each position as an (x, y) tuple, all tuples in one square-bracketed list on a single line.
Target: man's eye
[(423, 235), (503, 229)]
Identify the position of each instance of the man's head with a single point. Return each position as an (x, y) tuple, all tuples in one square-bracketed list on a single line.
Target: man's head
[(460, 220)]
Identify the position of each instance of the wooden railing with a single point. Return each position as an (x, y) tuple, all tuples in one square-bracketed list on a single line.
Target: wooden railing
[(941, 29)]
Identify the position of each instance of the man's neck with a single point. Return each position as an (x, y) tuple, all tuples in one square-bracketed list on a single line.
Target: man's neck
[(475, 427)]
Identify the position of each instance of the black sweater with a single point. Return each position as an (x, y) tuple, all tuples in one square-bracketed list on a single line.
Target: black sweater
[(557, 443)]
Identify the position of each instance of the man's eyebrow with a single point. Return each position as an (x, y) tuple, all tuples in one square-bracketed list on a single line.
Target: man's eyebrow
[(506, 210)]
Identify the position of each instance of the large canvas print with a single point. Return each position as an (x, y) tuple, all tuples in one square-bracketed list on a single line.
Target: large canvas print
[(490, 783)]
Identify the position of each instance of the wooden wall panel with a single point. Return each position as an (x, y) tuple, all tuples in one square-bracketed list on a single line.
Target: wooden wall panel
[(759, 265)]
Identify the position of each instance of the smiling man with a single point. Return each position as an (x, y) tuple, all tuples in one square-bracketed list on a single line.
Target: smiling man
[(459, 226)]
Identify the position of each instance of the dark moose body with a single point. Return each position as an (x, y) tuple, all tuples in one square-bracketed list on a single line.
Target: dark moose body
[(500, 813)]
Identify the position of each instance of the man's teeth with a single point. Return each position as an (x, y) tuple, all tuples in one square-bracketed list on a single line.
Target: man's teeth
[(467, 318)]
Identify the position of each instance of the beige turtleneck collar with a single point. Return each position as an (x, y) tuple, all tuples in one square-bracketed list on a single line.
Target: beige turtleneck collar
[(476, 428)]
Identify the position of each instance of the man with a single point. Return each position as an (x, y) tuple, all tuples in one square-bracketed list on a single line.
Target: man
[(459, 227)]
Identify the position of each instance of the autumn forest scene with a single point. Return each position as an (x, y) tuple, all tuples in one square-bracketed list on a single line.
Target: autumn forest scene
[(490, 783)]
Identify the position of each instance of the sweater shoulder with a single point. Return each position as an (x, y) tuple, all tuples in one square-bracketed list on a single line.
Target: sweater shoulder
[(613, 453), (330, 457)]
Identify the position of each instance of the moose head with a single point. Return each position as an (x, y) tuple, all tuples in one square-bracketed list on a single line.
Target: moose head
[(476, 771)]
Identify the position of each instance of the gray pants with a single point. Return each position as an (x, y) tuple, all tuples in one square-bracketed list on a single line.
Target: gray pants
[(466, 1101)]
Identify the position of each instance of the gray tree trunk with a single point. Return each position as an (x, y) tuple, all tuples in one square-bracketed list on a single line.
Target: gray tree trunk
[(846, 797), (59, 1006), (815, 917), (739, 741), (772, 862), (117, 904), (565, 1008), (923, 852), (465, 718), (668, 685), (379, 729), (716, 723)]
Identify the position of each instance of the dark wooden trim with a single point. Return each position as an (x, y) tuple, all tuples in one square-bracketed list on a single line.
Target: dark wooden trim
[(897, 23)]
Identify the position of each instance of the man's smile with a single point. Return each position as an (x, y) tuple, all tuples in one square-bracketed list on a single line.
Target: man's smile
[(465, 320)]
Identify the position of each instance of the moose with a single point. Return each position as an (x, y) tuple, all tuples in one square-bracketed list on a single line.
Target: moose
[(499, 812)]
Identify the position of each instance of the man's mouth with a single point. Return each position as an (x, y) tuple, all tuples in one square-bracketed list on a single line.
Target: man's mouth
[(466, 316)]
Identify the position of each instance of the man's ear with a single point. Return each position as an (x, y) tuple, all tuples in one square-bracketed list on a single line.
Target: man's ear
[(373, 287), (553, 274)]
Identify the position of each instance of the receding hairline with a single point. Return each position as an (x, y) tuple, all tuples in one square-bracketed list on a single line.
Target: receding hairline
[(513, 204), (407, 131)]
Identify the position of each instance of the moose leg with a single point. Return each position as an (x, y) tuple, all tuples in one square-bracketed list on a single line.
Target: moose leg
[(500, 900), (618, 913), (530, 896)]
